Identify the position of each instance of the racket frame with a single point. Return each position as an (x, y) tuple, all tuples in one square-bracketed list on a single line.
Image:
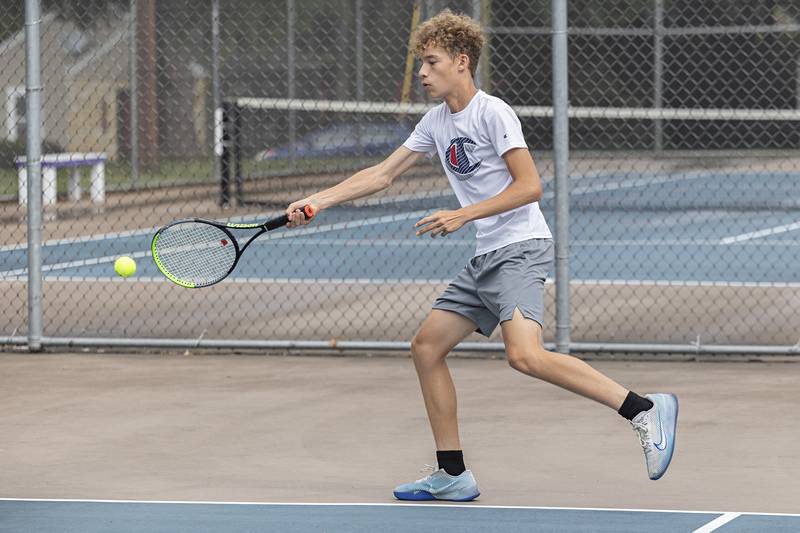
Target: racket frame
[(225, 227)]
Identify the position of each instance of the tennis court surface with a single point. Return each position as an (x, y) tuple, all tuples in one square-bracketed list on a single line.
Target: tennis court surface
[(156, 517), (136, 442)]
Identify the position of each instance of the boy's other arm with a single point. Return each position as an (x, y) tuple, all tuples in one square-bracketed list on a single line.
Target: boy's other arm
[(525, 188), (363, 183)]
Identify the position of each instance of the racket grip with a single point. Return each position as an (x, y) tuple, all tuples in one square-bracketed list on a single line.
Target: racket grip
[(282, 220)]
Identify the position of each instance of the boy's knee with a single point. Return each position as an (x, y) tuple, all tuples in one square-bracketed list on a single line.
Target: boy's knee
[(424, 351), (529, 361)]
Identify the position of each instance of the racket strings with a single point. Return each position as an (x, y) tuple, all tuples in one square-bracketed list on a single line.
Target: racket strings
[(195, 252)]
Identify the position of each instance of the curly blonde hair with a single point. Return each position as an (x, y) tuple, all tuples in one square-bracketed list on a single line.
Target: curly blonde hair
[(456, 33)]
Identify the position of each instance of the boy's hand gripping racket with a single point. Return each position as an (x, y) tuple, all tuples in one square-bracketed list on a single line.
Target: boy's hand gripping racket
[(197, 253)]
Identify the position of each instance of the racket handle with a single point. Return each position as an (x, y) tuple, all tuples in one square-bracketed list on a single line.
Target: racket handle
[(282, 220)]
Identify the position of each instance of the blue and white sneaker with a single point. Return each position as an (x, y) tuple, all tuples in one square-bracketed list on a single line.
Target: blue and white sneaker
[(440, 485), (656, 429)]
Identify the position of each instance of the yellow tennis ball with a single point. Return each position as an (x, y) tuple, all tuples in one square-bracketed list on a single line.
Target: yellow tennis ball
[(125, 266)]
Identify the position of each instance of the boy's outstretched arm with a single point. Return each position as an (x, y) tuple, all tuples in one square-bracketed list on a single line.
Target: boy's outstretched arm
[(363, 183)]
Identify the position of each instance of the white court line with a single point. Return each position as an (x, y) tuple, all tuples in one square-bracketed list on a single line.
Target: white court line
[(761, 233), (626, 184), (70, 264), (76, 240), (687, 283), (347, 225), (424, 240), (717, 523), (429, 281), (246, 281), (398, 504), (679, 242)]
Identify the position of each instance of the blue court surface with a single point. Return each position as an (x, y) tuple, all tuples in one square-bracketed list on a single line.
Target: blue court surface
[(695, 228), (112, 516)]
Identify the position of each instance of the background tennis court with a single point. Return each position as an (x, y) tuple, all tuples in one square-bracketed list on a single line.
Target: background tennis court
[(626, 253)]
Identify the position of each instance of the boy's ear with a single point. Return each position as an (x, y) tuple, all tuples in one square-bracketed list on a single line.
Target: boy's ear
[(463, 62)]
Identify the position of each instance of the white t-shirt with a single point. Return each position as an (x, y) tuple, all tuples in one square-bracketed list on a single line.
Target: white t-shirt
[(470, 144)]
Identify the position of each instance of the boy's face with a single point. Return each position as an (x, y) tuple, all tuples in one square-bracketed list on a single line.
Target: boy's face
[(440, 73)]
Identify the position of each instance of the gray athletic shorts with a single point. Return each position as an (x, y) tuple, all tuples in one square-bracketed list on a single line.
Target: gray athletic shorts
[(492, 285)]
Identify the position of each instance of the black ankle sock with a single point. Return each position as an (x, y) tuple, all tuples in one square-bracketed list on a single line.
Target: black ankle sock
[(452, 461), (633, 405)]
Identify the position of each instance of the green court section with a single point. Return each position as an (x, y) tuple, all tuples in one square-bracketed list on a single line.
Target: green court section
[(119, 517)]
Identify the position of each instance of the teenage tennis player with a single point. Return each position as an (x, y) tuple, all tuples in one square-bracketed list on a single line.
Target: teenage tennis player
[(479, 140)]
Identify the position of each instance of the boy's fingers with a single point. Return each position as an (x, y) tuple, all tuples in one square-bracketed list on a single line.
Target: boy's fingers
[(427, 220), (429, 227)]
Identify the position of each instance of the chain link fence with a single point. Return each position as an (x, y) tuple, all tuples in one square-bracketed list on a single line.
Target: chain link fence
[(683, 181)]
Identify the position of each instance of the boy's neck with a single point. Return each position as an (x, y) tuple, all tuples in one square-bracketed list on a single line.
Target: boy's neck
[(460, 97)]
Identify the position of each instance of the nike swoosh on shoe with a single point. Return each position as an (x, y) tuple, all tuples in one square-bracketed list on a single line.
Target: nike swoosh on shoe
[(661, 444)]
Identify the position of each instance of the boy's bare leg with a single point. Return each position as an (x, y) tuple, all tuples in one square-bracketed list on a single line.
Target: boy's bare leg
[(526, 353), (439, 333)]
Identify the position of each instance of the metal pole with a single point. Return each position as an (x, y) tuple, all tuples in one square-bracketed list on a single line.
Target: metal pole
[(33, 117), (359, 66), (235, 126), (134, 97), (745, 351), (484, 63), (290, 10), (561, 160), (360, 50), (226, 146), (476, 14), (797, 84), (216, 102), (658, 72)]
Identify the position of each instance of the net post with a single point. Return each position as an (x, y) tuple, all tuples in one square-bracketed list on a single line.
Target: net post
[(236, 139), (561, 162), (133, 103), (33, 99), (291, 16), (225, 154), (218, 147)]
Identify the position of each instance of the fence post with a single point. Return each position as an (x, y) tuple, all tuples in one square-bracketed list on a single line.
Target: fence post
[(216, 103), (33, 108), (133, 103), (561, 160), (658, 72), (290, 22), (476, 15), (359, 7), (225, 147)]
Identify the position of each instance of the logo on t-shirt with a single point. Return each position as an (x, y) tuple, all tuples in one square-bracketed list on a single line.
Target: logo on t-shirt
[(461, 159)]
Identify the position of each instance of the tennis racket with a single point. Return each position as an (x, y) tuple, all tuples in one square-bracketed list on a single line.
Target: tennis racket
[(196, 253)]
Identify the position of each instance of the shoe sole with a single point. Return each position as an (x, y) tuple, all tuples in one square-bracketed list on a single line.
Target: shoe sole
[(422, 495), (672, 444)]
